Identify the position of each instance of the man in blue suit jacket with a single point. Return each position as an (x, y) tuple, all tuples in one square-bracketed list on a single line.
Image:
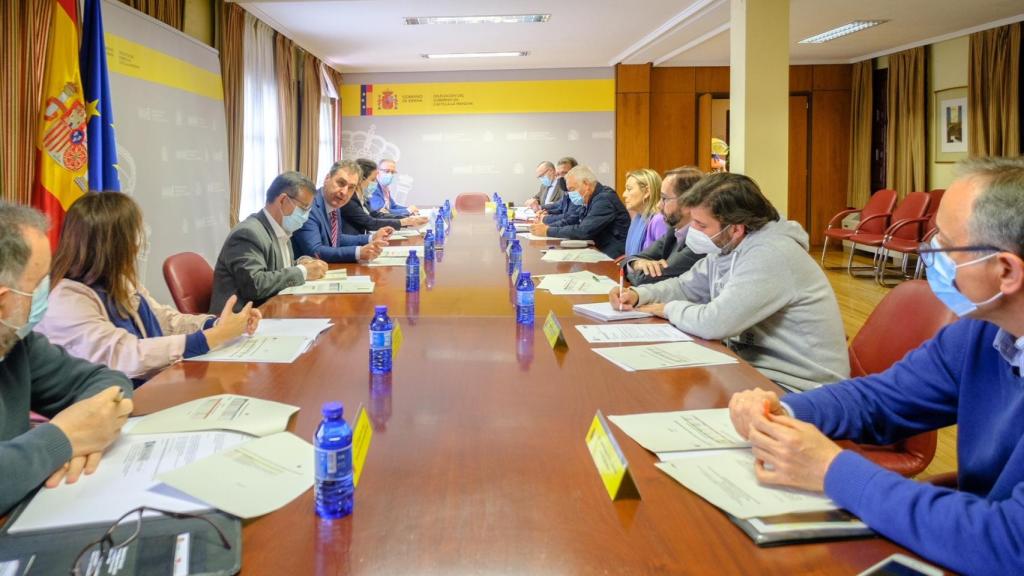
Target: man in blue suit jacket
[(321, 236), (380, 199)]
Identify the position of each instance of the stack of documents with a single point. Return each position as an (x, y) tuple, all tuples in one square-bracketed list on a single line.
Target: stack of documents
[(576, 283), (588, 255), (531, 236), (345, 285), (221, 412), (401, 252), (603, 311), (701, 450), (405, 233), (276, 341), (624, 333), (663, 356)]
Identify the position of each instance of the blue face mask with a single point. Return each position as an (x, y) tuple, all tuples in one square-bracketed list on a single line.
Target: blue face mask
[(576, 198), (385, 178), (40, 300), (942, 279), (295, 220), (545, 181)]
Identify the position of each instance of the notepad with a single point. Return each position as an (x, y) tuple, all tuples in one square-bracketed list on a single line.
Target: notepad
[(603, 311)]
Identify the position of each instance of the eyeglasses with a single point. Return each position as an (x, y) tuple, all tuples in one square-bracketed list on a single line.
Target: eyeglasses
[(90, 559), (928, 250), (667, 199), (304, 208)]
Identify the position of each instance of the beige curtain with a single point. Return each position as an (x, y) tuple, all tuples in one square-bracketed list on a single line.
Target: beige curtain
[(170, 12), (284, 68), (25, 29), (905, 142), (993, 89), (231, 66), (309, 115), (859, 188)]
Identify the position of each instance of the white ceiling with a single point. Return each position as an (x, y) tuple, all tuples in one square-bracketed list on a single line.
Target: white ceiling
[(370, 35)]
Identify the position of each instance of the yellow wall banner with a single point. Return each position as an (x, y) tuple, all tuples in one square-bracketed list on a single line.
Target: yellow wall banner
[(137, 61), (519, 97)]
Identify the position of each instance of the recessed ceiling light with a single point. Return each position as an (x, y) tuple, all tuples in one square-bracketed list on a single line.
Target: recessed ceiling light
[(498, 19), (475, 55), (844, 30)]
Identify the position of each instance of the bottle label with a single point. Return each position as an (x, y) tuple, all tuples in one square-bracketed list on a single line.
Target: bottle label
[(333, 463), (380, 339), (524, 297)]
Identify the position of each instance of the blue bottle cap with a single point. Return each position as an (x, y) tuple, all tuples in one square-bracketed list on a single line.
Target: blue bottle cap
[(524, 276), (332, 410), (380, 308)]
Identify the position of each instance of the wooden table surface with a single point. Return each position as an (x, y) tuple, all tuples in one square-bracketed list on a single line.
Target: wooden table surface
[(478, 463)]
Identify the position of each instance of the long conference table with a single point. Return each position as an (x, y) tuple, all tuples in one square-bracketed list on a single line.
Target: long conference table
[(478, 463)]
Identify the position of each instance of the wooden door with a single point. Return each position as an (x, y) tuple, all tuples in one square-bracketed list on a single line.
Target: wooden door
[(704, 132), (799, 197)]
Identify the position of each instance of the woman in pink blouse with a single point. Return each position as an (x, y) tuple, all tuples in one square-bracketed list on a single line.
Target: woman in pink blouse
[(99, 310)]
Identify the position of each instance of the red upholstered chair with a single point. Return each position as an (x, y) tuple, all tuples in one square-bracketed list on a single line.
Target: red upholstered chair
[(874, 218), (471, 202), (908, 316), (912, 208), (936, 199), (190, 280)]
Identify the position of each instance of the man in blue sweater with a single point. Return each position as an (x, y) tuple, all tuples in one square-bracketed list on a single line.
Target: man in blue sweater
[(603, 218), (970, 374)]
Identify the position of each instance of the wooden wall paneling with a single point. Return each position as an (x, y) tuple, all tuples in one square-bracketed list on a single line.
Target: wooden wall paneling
[(833, 76), (632, 78), (704, 132), (673, 130), (830, 149), (799, 113), (711, 79), (632, 135), (801, 78), (673, 79)]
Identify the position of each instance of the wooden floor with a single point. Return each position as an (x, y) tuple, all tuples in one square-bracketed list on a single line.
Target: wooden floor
[(857, 298)]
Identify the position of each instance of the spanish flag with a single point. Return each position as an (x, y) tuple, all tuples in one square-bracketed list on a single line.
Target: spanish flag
[(62, 158)]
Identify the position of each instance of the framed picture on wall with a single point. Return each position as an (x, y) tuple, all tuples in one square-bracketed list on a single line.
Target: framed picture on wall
[(950, 124)]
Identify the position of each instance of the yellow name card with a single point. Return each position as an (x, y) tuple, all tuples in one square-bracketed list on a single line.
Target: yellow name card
[(610, 462), (396, 336), (361, 436), (553, 332)]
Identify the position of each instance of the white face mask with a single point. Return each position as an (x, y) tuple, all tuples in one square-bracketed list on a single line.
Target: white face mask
[(701, 243)]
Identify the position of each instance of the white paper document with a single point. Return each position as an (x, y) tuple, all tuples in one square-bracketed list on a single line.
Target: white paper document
[(588, 255), (576, 283), (126, 479), (522, 226), (221, 412), (256, 348), (531, 236), (251, 479), (308, 327), (626, 333), (681, 430), (726, 479), (603, 311), (524, 213), (386, 261), (663, 356), (400, 252), (405, 233), (338, 274), (345, 286)]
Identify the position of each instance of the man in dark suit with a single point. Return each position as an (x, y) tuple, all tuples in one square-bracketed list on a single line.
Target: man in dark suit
[(604, 219), (256, 260), (322, 237), (357, 218), (668, 256), (552, 187)]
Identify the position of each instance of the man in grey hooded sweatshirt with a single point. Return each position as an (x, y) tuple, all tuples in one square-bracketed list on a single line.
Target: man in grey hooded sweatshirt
[(758, 289)]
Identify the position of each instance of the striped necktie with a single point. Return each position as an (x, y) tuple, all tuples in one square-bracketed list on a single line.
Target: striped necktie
[(334, 227)]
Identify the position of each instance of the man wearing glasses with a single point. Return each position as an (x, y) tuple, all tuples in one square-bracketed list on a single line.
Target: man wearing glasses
[(256, 261), (970, 374), (668, 257), (381, 199)]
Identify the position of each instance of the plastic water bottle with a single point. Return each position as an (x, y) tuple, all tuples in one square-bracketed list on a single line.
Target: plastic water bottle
[(412, 272), (428, 246), (439, 232), (380, 341), (510, 231), (515, 257), (524, 300), (334, 490)]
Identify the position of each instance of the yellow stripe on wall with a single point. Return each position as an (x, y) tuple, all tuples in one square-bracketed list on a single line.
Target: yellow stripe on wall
[(137, 61), (519, 97)]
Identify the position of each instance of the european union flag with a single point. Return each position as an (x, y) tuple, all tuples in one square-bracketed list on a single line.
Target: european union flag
[(93, 65)]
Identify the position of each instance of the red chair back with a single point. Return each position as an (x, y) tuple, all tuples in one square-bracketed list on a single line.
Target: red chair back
[(907, 317), (190, 280), (915, 205), (881, 202), (471, 202), (936, 199)]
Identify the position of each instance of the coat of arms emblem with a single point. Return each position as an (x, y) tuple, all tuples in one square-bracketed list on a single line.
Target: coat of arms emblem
[(64, 137)]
